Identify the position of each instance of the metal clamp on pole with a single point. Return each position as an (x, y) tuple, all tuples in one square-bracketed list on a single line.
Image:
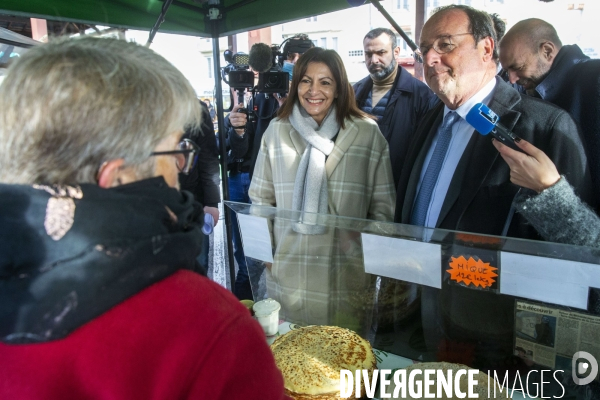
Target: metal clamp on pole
[(214, 13)]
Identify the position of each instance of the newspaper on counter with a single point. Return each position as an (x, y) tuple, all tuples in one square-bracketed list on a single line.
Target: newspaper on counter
[(550, 336)]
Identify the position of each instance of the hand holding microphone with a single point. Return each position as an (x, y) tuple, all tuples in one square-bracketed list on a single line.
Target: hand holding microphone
[(485, 121), (530, 168)]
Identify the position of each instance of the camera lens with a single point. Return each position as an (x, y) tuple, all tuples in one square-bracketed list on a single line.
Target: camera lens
[(272, 81)]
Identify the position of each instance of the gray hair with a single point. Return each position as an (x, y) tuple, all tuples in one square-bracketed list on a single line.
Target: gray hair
[(481, 24), (375, 33), (69, 105)]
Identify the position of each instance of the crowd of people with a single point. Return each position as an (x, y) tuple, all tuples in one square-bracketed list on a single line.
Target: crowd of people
[(102, 292)]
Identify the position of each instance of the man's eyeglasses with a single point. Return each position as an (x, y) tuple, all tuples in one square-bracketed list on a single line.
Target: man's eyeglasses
[(186, 155), (443, 44)]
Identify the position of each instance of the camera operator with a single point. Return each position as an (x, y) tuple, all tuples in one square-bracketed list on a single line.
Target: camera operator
[(244, 144), (243, 140), (292, 57)]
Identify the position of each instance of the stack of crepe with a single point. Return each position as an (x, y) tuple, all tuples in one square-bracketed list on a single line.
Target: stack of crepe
[(311, 359)]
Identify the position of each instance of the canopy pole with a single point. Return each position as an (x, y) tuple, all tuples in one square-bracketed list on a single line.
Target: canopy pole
[(416, 52), (213, 18), (419, 22), (159, 21)]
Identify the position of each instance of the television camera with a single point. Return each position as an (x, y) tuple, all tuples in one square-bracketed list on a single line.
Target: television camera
[(268, 62)]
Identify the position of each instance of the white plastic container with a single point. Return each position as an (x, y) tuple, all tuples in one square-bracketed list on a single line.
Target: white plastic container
[(266, 313), (209, 224)]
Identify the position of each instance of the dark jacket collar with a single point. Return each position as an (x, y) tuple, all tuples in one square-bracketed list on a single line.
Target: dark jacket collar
[(568, 56), (402, 82), (70, 253)]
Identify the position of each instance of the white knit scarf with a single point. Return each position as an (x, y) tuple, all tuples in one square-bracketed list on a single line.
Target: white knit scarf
[(310, 186)]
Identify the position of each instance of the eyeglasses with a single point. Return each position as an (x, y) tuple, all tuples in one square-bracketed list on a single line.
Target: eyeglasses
[(186, 155), (443, 44)]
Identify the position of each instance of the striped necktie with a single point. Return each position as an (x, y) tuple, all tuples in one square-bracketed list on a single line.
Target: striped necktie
[(421, 207)]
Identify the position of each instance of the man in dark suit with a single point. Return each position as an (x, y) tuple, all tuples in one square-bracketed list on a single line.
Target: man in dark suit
[(535, 58), (454, 178), (472, 190)]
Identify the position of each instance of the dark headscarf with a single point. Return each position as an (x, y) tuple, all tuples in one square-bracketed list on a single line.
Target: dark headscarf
[(68, 254)]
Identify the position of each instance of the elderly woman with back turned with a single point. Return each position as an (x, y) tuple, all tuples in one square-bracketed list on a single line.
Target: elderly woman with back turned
[(96, 240), (321, 155)]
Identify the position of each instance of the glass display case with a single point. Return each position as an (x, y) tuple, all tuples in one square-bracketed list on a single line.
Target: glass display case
[(521, 310)]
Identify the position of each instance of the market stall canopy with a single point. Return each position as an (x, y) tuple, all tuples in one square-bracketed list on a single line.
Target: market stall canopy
[(188, 17)]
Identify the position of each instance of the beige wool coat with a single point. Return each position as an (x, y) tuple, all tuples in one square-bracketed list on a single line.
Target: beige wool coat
[(314, 276), (359, 171)]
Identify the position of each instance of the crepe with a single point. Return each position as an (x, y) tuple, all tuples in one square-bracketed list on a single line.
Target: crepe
[(481, 389), (311, 358)]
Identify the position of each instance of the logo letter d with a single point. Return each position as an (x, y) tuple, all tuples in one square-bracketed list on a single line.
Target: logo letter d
[(592, 362), (346, 383)]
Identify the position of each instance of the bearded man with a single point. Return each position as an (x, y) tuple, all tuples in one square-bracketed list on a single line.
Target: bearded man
[(392, 94)]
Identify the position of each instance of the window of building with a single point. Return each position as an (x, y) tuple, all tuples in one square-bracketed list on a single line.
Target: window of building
[(314, 42), (334, 43), (309, 19), (324, 42), (402, 4), (355, 53), (210, 67)]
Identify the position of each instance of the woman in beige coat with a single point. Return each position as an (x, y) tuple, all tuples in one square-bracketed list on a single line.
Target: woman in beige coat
[(321, 155)]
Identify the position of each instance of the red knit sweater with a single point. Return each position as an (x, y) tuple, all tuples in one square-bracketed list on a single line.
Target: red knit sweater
[(182, 338)]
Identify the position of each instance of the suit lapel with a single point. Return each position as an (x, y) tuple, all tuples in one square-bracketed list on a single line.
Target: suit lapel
[(416, 158), (480, 154), (473, 167)]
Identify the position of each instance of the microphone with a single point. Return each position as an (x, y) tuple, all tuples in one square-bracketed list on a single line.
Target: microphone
[(261, 57), (485, 121)]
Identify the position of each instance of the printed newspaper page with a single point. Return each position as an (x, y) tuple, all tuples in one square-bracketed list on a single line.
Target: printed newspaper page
[(550, 336)]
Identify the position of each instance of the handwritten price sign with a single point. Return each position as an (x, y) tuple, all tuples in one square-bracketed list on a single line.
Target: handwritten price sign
[(472, 272)]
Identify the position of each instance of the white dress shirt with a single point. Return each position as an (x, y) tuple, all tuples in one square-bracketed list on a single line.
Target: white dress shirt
[(461, 134)]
